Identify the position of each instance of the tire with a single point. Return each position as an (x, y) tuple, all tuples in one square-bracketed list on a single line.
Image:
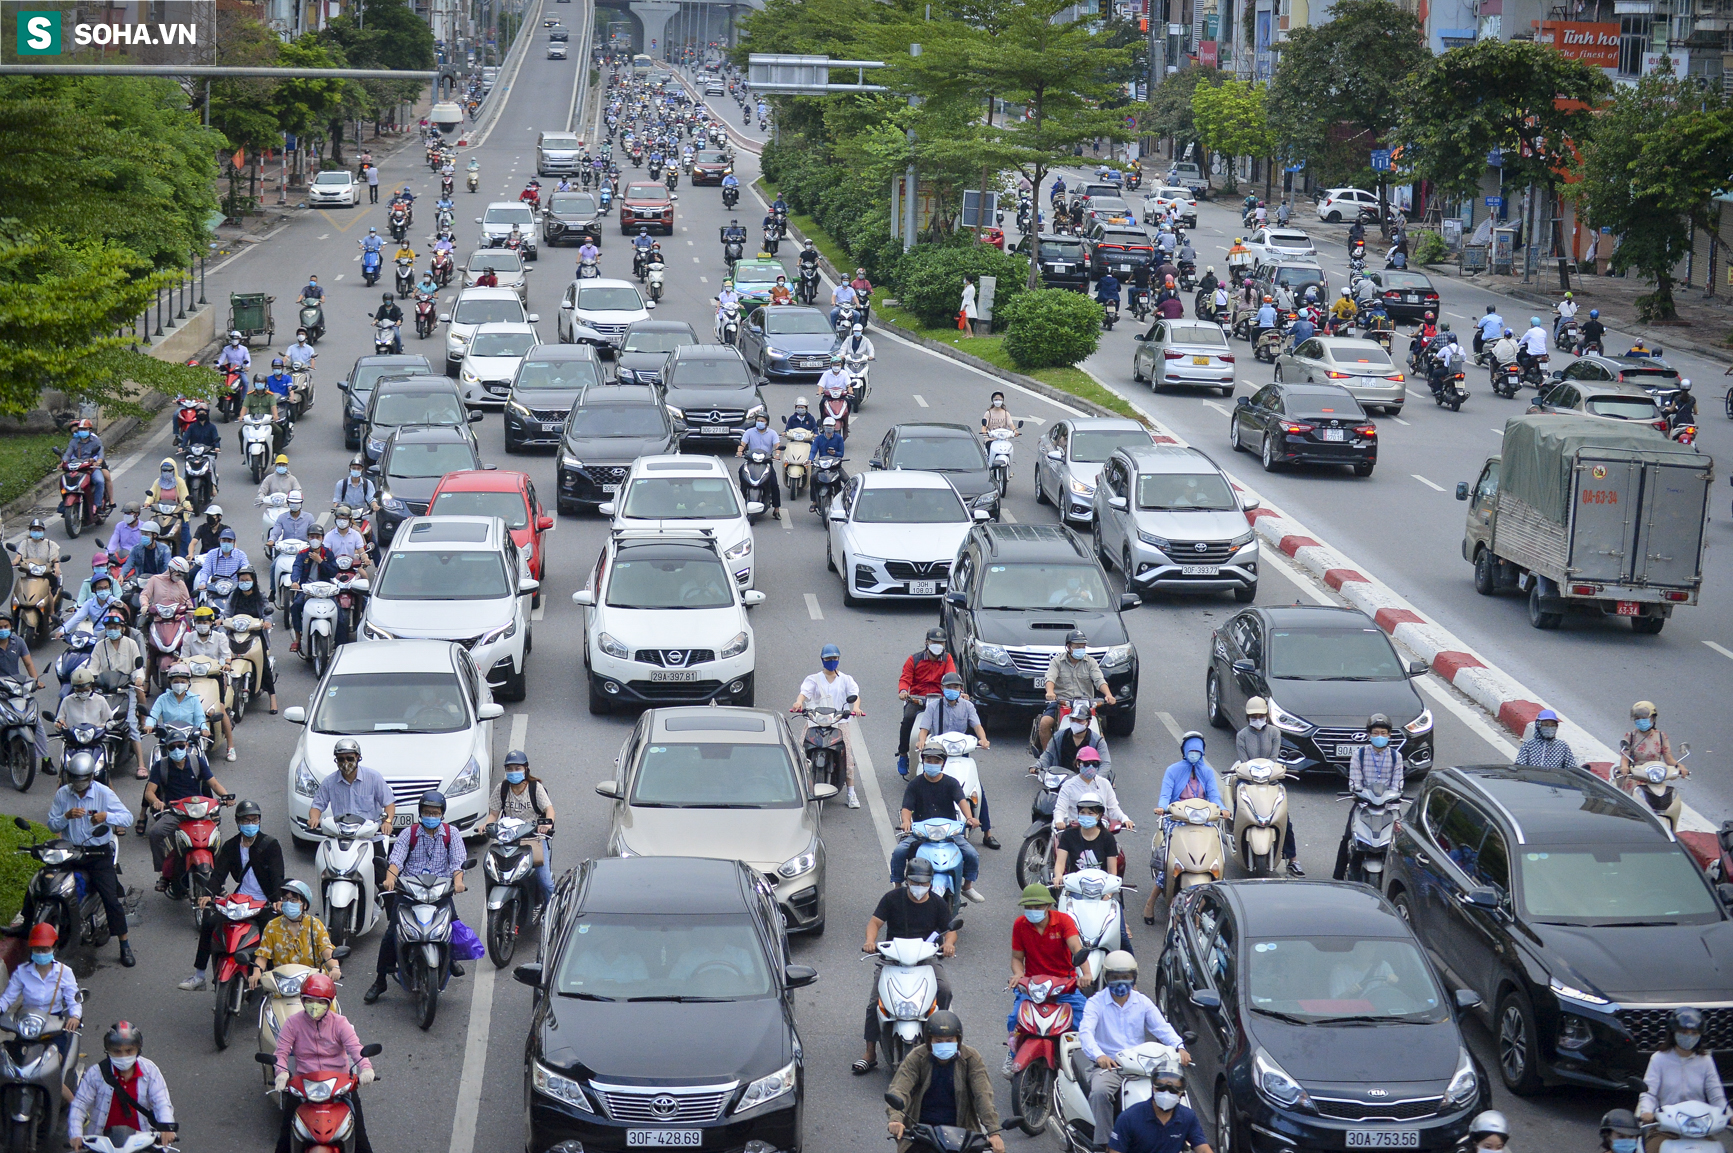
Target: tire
[(512, 448), (1032, 857), (502, 934), (1226, 1140), (1040, 494), (1234, 434), (242, 700), (600, 706), (1212, 701), (338, 926), (516, 685), (1404, 907), (829, 557), (1647, 626), (426, 997), (1268, 454), (1121, 722), (1485, 575), (21, 764), (1247, 595), (1136, 378), (1334, 217), (1514, 1039), (1537, 618), (1032, 1096), (19, 1138), (222, 1017), (321, 645), (74, 519), (1278, 373)]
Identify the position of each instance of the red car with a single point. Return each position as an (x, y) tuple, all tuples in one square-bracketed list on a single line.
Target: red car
[(511, 496), (646, 205)]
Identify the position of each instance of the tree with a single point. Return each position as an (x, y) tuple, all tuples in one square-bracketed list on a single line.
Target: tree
[(1656, 156), (1169, 111), (1230, 120)]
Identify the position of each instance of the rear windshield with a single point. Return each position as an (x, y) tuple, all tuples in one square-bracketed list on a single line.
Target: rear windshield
[(1061, 250), (1290, 239), (655, 341), (1623, 407), (1373, 356), (502, 310), (1110, 204), (1210, 334), (498, 259), (567, 374), (1299, 277), (1405, 280)]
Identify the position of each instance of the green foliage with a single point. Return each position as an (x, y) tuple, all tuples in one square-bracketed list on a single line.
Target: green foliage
[(388, 35), (1169, 112), (1051, 326), (1429, 247), (1229, 118), (302, 104), (17, 868), (929, 280)]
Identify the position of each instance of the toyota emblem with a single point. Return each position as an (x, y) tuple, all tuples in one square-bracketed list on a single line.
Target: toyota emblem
[(1375, 1093), (664, 1106), (1200, 546)]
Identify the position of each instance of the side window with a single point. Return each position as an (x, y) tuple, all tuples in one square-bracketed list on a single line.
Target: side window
[(471, 680), (1312, 349), (535, 506), (1488, 486), (1438, 805), (1262, 397), (571, 296), (1159, 332), (886, 448), (1061, 437), (1278, 400), (1493, 865), (1460, 834), (1221, 959), (599, 571), (964, 573), (1570, 397), (1254, 645)]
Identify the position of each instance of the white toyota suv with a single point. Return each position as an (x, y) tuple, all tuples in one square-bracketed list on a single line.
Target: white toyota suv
[(463, 579), (688, 492), (665, 624)]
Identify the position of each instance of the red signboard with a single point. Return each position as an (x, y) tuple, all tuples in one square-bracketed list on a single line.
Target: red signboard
[(1596, 45), (1206, 53)]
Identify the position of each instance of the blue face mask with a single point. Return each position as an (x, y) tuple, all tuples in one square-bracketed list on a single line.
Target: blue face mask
[(178, 754), (282, 470), (831, 664), (292, 910), (1035, 916), (1088, 820), (953, 694), (1379, 740), (1625, 1145), (1193, 756), (249, 830), (944, 1050), (430, 823), (36, 534), (246, 586), (931, 769), (1644, 725), (101, 595), (43, 958), (82, 434), (1119, 988), (112, 634), (514, 778), (228, 547)]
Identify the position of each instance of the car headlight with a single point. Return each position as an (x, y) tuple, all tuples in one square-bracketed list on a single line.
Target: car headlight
[(676, 413), (776, 352), (1288, 722), (754, 411), (767, 1089), (467, 781), (468, 376), (454, 342), (990, 654), (626, 374), (1118, 655), (503, 632), (804, 863), (375, 447), (1160, 543), (1243, 540), (1575, 994), (373, 632), (1081, 488), (1464, 1085), (571, 462), (392, 503), (736, 646), (739, 550), (1273, 1082), (1420, 724), (517, 409), (549, 1083), (612, 647), (306, 784)]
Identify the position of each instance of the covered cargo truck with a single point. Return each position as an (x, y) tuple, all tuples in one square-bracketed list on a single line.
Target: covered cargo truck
[(1592, 516)]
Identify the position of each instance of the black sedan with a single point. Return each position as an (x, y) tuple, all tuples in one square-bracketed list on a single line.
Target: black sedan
[(790, 342), (1407, 295), (411, 466), (1304, 424), (1323, 670), (1317, 1020), (572, 218), (644, 350), (950, 449), (642, 950), (1573, 912)]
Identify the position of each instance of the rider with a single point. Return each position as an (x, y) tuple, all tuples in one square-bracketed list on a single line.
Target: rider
[(1239, 260), (839, 691), (1683, 408), (1533, 345), (525, 798), (1107, 290), (641, 246), (943, 1082), (296, 937), (90, 816), (949, 713), (46, 986), (36, 548), (1506, 350), (761, 438), (1564, 311), (254, 862), (1683, 1071), (907, 911), (733, 231), (178, 773), (843, 294), (1118, 1018), (1545, 749), (1089, 844), (487, 279), (428, 846), (1344, 310), (1071, 675), (207, 643), (1374, 767), (1187, 778), (588, 252), (317, 1039), (295, 523), (931, 794), (1490, 328), (404, 251), (235, 354), (85, 445), (143, 1102), (353, 788), (388, 310), (1594, 332), (857, 346), (801, 418), (1043, 941), (313, 563), (779, 293), (372, 242), (1261, 741)]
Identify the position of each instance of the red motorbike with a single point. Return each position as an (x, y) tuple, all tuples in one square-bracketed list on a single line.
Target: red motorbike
[(193, 852), (835, 405), (232, 394), (169, 624), (442, 268), (186, 414), (426, 316), (233, 938), (1041, 1021), (324, 1106), (78, 505)]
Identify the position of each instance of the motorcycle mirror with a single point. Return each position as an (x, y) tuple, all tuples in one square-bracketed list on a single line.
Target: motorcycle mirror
[(892, 1098), (1624, 746), (372, 1050), (265, 1058), (340, 952), (21, 823), (1079, 957), (470, 864), (1189, 1036), (1684, 750), (955, 925)]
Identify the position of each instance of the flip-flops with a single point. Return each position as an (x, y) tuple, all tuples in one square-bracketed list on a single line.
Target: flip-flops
[(863, 1066)]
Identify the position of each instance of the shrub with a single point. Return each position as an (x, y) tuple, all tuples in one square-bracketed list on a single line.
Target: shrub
[(16, 868), (1051, 327), (1429, 248), (929, 279)]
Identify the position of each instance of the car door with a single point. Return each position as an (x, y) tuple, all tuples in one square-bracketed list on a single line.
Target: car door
[(958, 622), (1151, 351), (568, 305), (1111, 518), (888, 446), (1309, 359), (1246, 413), (838, 526), (1044, 469), (1485, 496), (1217, 971), (752, 339), (1460, 931)]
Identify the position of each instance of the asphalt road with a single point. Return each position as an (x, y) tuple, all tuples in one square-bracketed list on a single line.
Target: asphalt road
[(459, 1086)]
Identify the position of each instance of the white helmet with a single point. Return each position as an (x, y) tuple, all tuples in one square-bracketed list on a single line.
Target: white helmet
[(149, 526), (214, 510), (295, 496), (1345, 291), (800, 402)]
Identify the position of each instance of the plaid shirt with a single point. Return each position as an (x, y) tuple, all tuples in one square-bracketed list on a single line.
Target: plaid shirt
[(439, 852), (1553, 754), (1379, 770)]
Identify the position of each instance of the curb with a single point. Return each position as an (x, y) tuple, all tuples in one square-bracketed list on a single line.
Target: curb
[(748, 144)]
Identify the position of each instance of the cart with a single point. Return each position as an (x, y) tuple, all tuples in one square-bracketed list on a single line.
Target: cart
[(250, 315)]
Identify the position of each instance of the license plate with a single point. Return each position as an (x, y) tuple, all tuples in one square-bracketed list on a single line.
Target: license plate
[(1199, 570), (552, 427), (714, 430), (1413, 299), (1345, 751), (673, 674), (665, 1138), (1383, 1138), (1203, 360), (610, 488), (1629, 609), (923, 588), (1332, 434), (1124, 267), (402, 820)]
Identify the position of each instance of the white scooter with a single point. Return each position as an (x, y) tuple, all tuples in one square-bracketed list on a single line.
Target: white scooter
[(960, 763), (319, 617), (1659, 789), (859, 380), (999, 455), (1091, 898), (908, 995), (1691, 1126), (120, 1139), (655, 272), (1071, 1095), (274, 507), (257, 440), (348, 882), (283, 555)]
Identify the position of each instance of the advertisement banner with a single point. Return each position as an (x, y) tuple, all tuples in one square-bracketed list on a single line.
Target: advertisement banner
[(1206, 54), (1596, 45)]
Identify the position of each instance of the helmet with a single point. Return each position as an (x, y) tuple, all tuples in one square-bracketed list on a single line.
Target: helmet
[(1430, 316), (1092, 801), (342, 510), (82, 676), (1546, 715), (214, 510), (44, 936), (1685, 1019), (432, 799), (386, 298), (1638, 711), (123, 1033), (295, 496), (179, 564), (1239, 240), (282, 458), (829, 652), (129, 507), (1595, 314), (857, 328), (945, 1024), (1490, 309), (951, 679), (346, 745), (918, 869), (1076, 637), (179, 669), (300, 889), (1346, 293), (800, 402), (1534, 322), (1120, 962), (1567, 296), (1488, 1124), (318, 987), (248, 809), (1445, 327), (1621, 1122), (276, 362), (936, 634), (1257, 707), (204, 613), (82, 767), (1378, 720), (235, 333), (149, 528), (830, 422), (1684, 384)]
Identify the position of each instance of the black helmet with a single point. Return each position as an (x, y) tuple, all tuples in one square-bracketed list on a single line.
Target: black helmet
[(1621, 1123), (1490, 309), (386, 298), (431, 799), (1379, 721), (950, 679), (247, 809), (517, 757), (1076, 637), (918, 869), (123, 1033), (944, 1024)]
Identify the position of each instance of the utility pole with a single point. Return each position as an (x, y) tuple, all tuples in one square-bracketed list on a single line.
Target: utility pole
[(1157, 48), (910, 215)]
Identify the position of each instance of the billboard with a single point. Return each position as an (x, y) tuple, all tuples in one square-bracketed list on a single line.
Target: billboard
[(1596, 45)]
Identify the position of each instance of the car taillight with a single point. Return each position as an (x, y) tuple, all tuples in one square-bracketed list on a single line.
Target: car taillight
[(1170, 354), (1337, 375), (1365, 430), (1660, 425), (1294, 428), (1621, 378), (1431, 296), (1396, 376), (1391, 294), (1225, 359)]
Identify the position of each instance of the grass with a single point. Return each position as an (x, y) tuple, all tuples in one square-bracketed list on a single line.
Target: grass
[(16, 868), (25, 460)]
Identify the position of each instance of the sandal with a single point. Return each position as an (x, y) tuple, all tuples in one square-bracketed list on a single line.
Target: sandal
[(864, 1065), (1149, 920)]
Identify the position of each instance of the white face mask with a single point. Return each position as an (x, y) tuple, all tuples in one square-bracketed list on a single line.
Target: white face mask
[(1165, 1101), (123, 1064), (936, 650), (998, 403), (1257, 722)]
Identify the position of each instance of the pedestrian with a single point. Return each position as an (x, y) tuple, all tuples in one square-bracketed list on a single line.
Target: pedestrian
[(372, 183), (966, 317)]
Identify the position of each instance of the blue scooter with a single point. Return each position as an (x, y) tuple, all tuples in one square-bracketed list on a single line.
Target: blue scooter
[(370, 262), (424, 940), (938, 847)]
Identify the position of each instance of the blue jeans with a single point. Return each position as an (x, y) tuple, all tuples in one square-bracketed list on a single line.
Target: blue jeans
[(1074, 998), (900, 856)]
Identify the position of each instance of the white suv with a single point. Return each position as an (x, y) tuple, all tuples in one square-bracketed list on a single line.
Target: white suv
[(688, 492), (474, 308), (597, 311), (458, 578), (664, 624)]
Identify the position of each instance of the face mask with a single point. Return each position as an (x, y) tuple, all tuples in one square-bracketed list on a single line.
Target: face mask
[(1077, 725), (342, 526), (936, 650), (1379, 740), (82, 434), (36, 534), (953, 694), (1165, 1101), (919, 892), (112, 634), (1119, 988), (1257, 722), (831, 664), (178, 754), (228, 547), (317, 1009), (5, 634), (759, 423), (1077, 654), (204, 629), (355, 474), (1644, 725), (246, 586), (123, 1064), (430, 823), (292, 910), (514, 778), (85, 694), (1193, 756), (168, 478), (101, 595), (249, 830), (282, 470), (944, 1050), (1686, 1040), (1625, 1145), (1035, 916), (180, 688), (43, 958), (932, 769), (1088, 820), (1087, 770), (1547, 732), (998, 402)]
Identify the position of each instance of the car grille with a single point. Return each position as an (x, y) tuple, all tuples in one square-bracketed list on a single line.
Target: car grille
[(418, 507), (1200, 552), (548, 415), (1328, 739), (1036, 660), (903, 570), (663, 1107), (611, 331), (409, 792), (607, 473), (728, 416), (674, 658), (676, 690), (647, 375), (1650, 1030), (1378, 1110)]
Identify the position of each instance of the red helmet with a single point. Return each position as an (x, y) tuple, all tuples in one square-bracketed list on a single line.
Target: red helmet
[(319, 987), (44, 936)]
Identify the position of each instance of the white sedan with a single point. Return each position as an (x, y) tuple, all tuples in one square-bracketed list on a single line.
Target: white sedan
[(334, 186), (893, 535), (1180, 200)]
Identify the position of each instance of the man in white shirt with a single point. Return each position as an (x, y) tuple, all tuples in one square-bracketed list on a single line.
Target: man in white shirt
[(1115, 1019), (1533, 343), (839, 691)]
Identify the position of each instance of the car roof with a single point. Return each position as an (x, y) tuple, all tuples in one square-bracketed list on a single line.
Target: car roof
[(1556, 806), (1029, 542), (933, 430), (419, 382), (681, 886), (1308, 389), (392, 358), (619, 394), (492, 204), (1630, 388), (706, 352), (545, 351), (432, 434), (483, 480), (655, 326), (1106, 424), (718, 724), (1060, 236), (413, 656), (1312, 265), (903, 478), (1349, 343), (595, 282), (1167, 458), (505, 326), (680, 464), (1314, 616), (485, 292), (1290, 908), (483, 533)]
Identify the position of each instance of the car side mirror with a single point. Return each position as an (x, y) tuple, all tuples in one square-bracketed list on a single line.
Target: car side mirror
[(607, 789), (1055, 456), (823, 792), (1129, 601), (584, 597), (544, 524), (527, 974), (1118, 503), (1243, 402), (1461, 490), (1142, 336), (1468, 999), (651, 304), (445, 318), (1245, 667), (478, 220), (342, 386), (957, 597), (982, 515), (799, 976), (528, 585), (476, 417), (838, 514), (295, 715), (752, 598), (606, 508), (1250, 503), (1482, 897), (1419, 668), (492, 711), (1558, 375), (1724, 891), (1206, 999), (754, 507), (754, 328)]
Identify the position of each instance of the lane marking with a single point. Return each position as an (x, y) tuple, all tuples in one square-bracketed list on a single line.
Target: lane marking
[(919, 399), (325, 236), (706, 280), (1427, 483), (695, 260), (1728, 653), (1219, 407), (1496, 431), (1401, 422), (1007, 516), (812, 609), (520, 725), (869, 781), (540, 610), (1172, 727), (340, 275)]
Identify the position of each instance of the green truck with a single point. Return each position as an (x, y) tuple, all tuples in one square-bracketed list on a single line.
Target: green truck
[(1591, 516)]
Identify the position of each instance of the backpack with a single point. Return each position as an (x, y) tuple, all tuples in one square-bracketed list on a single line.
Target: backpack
[(504, 786), (415, 834)]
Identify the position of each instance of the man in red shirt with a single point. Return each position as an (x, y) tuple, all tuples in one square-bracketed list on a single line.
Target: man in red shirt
[(922, 674), (1043, 941)]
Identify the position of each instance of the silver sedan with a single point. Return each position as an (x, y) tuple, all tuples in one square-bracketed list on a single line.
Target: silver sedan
[(1186, 353), (1069, 456), (1360, 366)]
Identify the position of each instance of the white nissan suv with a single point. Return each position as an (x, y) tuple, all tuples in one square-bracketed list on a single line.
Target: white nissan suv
[(665, 624), (688, 491)]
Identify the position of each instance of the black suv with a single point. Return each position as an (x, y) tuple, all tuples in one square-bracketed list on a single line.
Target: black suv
[(1118, 249), (708, 386), (548, 382), (415, 459), (639, 950), (1323, 670), (1578, 917), (611, 426), (572, 218), (1062, 261), (1016, 591), (401, 401), (357, 388)]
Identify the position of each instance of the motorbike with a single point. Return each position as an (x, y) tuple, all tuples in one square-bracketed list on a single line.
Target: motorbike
[(472, 179), (79, 643), (1372, 827), (313, 320), (199, 473), (102, 743), (122, 1139), (349, 862), (908, 994), (187, 413), (513, 897), (32, 1073), (859, 381), (60, 894), (806, 284), (730, 196), (1690, 1127), (193, 851), (35, 600), (424, 940), (1193, 849), (826, 482), (796, 457), (324, 1108), (319, 615), (281, 999), (822, 745), (18, 713), (654, 273), (258, 442), (1451, 391), (847, 316), (835, 402), (771, 240), (1091, 898), (217, 593), (246, 664), (399, 223), (960, 764), (755, 476), (234, 936), (1567, 335), (426, 316), (1534, 373), (78, 506), (1187, 275), (936, 847), (300, 392), (230, 394), (1140, 1063), (733, 249), (1269, 344), (283, 555), (386, 341), (169, 624), (1506, 379), (445, 184), (1109, 314), (370, 262), (728, 324), (1042, 1019), (1684, 434), (655, 171), (442, 268), (1260, 814), (999, 455), (405, 278), (672, 179), (1656, 778)]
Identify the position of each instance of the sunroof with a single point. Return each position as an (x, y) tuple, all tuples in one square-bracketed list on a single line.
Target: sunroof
[(735, 724), (449, 530)]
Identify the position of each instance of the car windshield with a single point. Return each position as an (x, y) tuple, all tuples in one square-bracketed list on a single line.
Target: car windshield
[(623, 299), (331, 178), (1095, 447), (1290, 240), (508, 506), (400, 408), (573, 204), (440, 575), (1061, 250), (657, 341), (369, 375), (710, 158), (670, 579), (1613, 885), (1405, 280), (757, 272), (501, 310), (646, 192), (510, 214), (940, 453), (1173, 492), (1339, 654), (1298, 278), (682, 498), (716, 776), (566, 374), (1045, 586), (909, 506), (1623, 407), (502, 343), (1352, 980), (618, 420), (1208, 335), (416, 461), (1368, 354), (1110, 205), (498, 259), (724, 373), (795, 322), (694, 957), (397, 702)]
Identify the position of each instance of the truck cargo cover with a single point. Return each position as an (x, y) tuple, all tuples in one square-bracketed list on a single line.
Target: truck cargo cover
[(1539, 452)]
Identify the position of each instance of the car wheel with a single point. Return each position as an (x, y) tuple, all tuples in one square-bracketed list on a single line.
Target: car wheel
[(848, 597), (1227, 390), (1246, 595), (1269, 453), (1226, 1140), (1485, 575), (1364, 468), (1136, 374), (1212, 701), (1404, 907), (1518, 1054), (1278, 375), (829, 557), (1040, 494), (1234, 434), (1100, 552), (1334, 217), (516, 685)]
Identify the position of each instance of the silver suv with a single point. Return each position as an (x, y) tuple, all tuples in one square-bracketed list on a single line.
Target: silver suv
[(1169, 518)]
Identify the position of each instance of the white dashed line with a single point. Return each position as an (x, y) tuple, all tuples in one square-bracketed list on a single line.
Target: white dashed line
[(812, 609), (1006, 515), (1400, 421), (919, 399), (1221, 408), (1728, 653), (1427, 483)]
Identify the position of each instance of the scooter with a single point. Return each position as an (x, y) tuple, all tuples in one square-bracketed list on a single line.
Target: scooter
[(1269, 344), (655, 272), (472, 179), (1091, 898), (1507, 379), (1451, 391), (960, 764), (822, 745), (199, 473), (349, 861), (32, 1073), (1656, 778), (386, 341), (1690, 1127), (513, 897), (908, 994), (283, 555), (246, 663), (281, 988), (424, 940), (324, 1109), (826, 482), (442, 268), (370, 262), (78, 506), (313, 321), (1194, 848), (170, 516), (1567, 336), (1042, 1019), (806, 285), (79, 644), (795, 457), (217, 593), (999, 455), (319, 615), (587, 269), (234, 936), (755, 476), (300, 391), (730, 196), (257, 437), (1140, 1064), (728, 324), (1260, 809), (34, 600), (859, 383), (405, 277), (426, 316), (60, 894), (194, 848), (835, 402), (122, 1139), (937, 848), (100, 743), (771, 240), (230, 394), (18, 712), (1372, 827)]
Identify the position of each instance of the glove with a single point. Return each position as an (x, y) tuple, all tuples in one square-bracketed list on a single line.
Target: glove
[(367, 1076), (282, 1081)]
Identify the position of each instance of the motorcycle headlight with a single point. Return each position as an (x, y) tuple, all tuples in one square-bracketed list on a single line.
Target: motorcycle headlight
[(739, 550), (318, 1090), (30, 1027), (549, 1083), (1288, 722), (1081, 488), (1464, 1085), (1273, 1082), (467, 781), (306, 784), (1118, 655), (987, 654), (767, 1089), (612, 647), (736, 646)]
